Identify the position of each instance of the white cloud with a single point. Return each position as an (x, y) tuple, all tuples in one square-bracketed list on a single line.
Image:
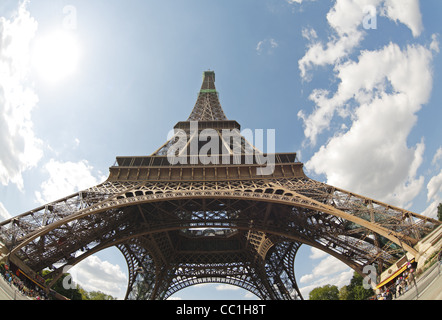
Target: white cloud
[(297, 1), (407, 12), (380, 94), (374, 108), (431, 210), (224, 287), (327, 267), (93, 274), (317, 254), (249, 295), (266, 46), (66, 178), (328, 271), (434, 188), (437, 156), (346, 18), (309, 34), (4, 214), (435, 43), (20, 149)]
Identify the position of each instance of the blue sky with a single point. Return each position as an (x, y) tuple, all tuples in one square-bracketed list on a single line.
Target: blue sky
[(353, 86)]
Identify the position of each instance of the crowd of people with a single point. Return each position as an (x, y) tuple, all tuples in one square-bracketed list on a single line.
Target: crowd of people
[(26, 288), (402, 284)]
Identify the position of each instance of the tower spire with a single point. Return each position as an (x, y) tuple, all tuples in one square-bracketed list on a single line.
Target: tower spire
[(207, 106)]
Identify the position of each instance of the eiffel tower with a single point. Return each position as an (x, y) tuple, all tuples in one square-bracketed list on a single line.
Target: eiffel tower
[(204, 208)]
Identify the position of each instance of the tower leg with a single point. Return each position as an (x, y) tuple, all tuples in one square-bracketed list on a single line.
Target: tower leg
[(280, 270), (142, 270)]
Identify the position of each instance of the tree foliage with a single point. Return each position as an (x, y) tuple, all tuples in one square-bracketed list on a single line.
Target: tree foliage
[(77, 293), (356, 290), (96, 295), (327, 292), (353, 291), (73, 294), (439, 211)]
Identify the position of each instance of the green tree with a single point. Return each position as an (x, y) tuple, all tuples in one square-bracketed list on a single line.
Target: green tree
[(77, 293), (98, 295), (70, 293), (439, 211), (356, 290), (343, 293), (327, 292)]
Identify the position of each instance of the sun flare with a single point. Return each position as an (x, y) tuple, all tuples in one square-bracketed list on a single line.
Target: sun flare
[(55, 56)]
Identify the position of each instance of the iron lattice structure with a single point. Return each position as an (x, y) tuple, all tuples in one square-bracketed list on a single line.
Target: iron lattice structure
[(219, 221)]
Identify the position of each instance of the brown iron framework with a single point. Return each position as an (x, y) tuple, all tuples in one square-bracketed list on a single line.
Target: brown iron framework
[(194, 222)]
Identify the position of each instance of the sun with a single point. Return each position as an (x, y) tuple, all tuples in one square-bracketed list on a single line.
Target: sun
[(55, 56)]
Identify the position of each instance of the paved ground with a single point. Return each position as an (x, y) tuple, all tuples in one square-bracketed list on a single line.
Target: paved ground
[(429, 286), (8, 292)]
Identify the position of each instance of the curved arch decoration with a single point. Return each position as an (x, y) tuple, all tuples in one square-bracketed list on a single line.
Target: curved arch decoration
[(288, 197)]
